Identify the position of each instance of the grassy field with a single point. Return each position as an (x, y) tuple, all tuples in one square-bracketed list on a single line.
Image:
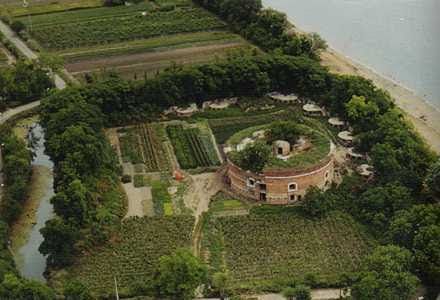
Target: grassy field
[(224, 128), (132, 254), (274, 246)]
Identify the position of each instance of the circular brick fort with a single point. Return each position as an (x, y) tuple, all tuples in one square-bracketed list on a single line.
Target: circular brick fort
[(282, 184)]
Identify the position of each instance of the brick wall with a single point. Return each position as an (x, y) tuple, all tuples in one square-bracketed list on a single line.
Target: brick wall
[(281, 186)]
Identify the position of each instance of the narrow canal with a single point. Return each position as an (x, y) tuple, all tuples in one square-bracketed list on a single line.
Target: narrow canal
[(30, 262)]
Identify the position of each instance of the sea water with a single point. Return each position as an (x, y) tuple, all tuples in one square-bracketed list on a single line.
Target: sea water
[(400, 39)]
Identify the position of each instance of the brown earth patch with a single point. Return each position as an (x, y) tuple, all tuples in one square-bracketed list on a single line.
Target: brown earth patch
[(151, 59)]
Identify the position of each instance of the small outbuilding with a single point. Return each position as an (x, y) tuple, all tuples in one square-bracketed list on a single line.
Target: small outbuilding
[(351, 154), (336, 122), (281, 148), (282, 97), (312, 110), (365, 170), (345, 138), (188, 111)]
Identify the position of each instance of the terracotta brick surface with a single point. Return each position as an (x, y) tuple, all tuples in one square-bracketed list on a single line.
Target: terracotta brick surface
[(277, 182)]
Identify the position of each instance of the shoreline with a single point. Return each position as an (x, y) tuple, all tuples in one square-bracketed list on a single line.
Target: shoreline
[(22, 227), (423, 115)]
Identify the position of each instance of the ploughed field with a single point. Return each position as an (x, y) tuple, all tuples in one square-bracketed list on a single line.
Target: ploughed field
[(272, 246), (135, 39), (132, 255)]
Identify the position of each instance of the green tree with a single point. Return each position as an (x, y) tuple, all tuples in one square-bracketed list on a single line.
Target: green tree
[(51, 61), (418, 230), (254, 157), (377, 205), (76, 290), (385, 275), (362, 113), (178, 275), (317, 203), (433, 179), (318, 43), (18, 26), (302, 292), (220, 282), (71, 203), (284, 130), (59, 241), (288, 293), (14, 287)]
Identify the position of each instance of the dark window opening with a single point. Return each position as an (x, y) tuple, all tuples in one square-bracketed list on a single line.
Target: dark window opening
[(280, 151), (292, 187), (292, 197), (262, 197), (262, 186)]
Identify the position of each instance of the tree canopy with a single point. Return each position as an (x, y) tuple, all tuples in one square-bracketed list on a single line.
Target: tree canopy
[(179, 274), (385, 275)]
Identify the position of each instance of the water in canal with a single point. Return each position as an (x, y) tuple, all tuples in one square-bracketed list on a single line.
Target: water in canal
[(30, 262)]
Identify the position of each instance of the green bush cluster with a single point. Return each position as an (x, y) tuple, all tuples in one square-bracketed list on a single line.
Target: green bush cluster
[(23, 83)]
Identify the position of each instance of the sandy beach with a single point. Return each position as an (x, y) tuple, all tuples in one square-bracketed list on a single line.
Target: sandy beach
[(424, 117)]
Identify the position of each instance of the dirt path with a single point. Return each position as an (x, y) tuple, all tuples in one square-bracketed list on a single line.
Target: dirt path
[(197, 198), (146, 58), (424, 117), (317, 294), (202, 188), (13, 38)]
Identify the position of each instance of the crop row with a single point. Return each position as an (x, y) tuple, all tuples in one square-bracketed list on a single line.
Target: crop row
[(133, 256), (155, 158), (192, 149), (274, 246), (130, 146), (123, 28)]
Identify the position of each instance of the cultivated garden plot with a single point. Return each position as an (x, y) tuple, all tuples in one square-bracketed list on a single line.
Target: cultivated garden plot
[(132, 40), (274, 245), (133, 253), (142, 144), (193, 146), (15, 8), (108, 25)]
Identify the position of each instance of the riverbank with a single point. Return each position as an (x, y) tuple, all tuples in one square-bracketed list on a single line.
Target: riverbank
[(20, 230), (424, 117)]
